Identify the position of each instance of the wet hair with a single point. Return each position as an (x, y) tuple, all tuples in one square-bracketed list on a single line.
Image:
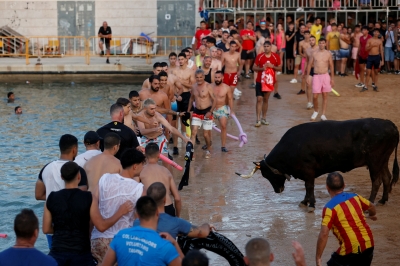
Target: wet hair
[(148, 102), (258, 251), (9, 94), (199, 71), (153, 77), (219, 72), (123, 101), (322, 40), (335, 181), (172, 54), (163, 64), (25, 224), (16, 108), (116, 108), (69, 171), (163, 74), (306, 31), (146, 208), (157, 192), (195, 258), (156, 64), (131, 157), (182, 54), (232, 42), (152, 150), (233, 32), (133, 94), (67, 142), (110, 140)]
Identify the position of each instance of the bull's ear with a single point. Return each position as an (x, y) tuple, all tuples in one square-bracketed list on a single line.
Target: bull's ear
[(288, 177)]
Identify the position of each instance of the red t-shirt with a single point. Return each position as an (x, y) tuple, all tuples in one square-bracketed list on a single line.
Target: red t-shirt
[(200, 34), (247, 44), (262, 59), (363, 43)]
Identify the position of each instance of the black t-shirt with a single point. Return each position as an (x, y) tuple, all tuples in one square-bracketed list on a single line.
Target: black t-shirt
[(84, 181), (128, 137), (70, 212), (105, 32), (222, 46), (265, 32), (299, 37), (290, 43)]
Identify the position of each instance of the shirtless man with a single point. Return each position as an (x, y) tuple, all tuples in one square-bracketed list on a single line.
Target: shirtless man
[(126, 104), (309, 53), (136, 107), (231, 62), (172, 62), (104, 163), (321, 83), (355, 42), (223, 105), (303, 46), (156, 70), (165, 87), (208, 73), (153, 172), (153, 132), (203, 96), (159, 97), (344, 42), (215, 63), (186, 78), (375, 59)]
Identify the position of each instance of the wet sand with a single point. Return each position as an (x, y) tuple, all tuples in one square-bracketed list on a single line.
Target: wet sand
[(242, 209)]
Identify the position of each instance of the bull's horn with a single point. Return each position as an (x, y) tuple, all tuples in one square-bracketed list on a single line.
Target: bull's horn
[(288, 177), (265, 156), (249, 175)]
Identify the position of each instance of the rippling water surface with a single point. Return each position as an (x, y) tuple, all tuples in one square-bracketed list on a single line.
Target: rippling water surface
[(29, 141)]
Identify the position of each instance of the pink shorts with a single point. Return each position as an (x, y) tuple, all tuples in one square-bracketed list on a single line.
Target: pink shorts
[(303, 64), (321, 83)]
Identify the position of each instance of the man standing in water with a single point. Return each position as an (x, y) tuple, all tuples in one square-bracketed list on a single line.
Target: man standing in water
[(104, 162), (375, 60), (223, 95), (92, 144), (128, 137), (321, 84), (153, 132), (152, 172), (203, 96), (230, 62)]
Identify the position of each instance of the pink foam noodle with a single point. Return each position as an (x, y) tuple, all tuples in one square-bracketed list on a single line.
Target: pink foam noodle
[(168, 161), (229, 135), (242, 135), (3, 235)]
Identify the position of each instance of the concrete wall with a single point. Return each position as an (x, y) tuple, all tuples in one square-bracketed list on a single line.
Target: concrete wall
[(126, 17)]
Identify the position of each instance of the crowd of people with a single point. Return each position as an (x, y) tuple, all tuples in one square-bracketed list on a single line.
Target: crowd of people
[(115, 203)]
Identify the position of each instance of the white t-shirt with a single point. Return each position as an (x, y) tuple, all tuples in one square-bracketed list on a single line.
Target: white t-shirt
[(115, 190), (81, 159), (194, 40), (190, 63), (225, 30), (389, 40)]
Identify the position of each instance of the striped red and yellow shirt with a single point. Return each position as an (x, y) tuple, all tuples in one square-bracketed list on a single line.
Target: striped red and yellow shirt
[(344, 214)]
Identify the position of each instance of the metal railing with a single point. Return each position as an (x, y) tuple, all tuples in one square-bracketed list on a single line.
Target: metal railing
[(15, 46), (167, 44), (230, 5)]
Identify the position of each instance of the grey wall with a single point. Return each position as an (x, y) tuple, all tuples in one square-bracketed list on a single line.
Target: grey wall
[(176, 18), (76, 18)]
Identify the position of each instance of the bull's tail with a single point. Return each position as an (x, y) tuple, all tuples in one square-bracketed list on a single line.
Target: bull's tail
[(395, 171)]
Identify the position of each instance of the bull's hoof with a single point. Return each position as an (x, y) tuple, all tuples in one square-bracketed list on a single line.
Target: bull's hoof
[(303, 204), (310, 209), (381, 202)]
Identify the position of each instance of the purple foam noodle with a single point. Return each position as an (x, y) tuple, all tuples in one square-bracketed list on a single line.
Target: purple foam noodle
[(242, 135)]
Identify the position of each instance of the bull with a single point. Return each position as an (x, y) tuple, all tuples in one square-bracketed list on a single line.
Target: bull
[(310, 150)]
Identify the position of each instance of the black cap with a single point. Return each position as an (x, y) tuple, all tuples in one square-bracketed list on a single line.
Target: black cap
[(91, 137)]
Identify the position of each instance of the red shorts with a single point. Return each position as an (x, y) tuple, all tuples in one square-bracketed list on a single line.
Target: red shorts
[(230, 79)]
